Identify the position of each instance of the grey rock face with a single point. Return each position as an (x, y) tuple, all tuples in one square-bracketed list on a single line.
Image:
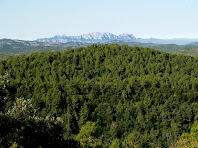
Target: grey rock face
[(102, 37), (89, 38)]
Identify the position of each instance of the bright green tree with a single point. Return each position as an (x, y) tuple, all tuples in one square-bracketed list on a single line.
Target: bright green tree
[(87, 135), (116, 143)]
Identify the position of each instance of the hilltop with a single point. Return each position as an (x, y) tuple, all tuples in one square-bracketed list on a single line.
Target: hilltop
[(99, 96)]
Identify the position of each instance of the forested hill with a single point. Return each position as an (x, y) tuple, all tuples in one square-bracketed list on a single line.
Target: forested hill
[(105, 96)]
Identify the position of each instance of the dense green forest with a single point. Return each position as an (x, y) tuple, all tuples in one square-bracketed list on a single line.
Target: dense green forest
[(100, 96)]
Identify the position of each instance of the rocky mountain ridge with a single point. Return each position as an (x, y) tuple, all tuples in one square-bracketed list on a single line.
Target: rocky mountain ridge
[(89, 38), (102, 37)]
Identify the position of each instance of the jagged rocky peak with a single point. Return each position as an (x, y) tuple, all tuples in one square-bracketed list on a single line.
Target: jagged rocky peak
[(127, 36), (89, 38), (99, 35)]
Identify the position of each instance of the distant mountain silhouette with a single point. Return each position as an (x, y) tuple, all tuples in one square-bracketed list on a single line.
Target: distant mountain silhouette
[(194, 43), (100, 37), (89, 38)]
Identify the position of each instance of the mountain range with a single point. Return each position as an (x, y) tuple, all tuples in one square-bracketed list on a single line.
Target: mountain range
[(19, 46), (101, 37), (8, 45), (10, 48), (96, 37)]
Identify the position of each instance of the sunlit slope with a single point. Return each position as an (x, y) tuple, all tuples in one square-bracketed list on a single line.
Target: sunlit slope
[(110, 94)]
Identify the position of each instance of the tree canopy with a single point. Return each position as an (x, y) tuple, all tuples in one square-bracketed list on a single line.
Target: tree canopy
[(107, 95)]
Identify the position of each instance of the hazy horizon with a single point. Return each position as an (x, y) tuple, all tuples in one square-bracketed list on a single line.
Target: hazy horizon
[(30, 20), (100, 32)]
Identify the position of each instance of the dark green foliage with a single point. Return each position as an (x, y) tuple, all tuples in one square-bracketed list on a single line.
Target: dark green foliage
[(134, 96), (31, 133)]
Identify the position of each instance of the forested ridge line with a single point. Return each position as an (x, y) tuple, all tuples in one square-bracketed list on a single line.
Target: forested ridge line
[(106, 95)]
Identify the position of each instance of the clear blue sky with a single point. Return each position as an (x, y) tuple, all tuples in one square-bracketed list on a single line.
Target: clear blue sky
[(32, 19)]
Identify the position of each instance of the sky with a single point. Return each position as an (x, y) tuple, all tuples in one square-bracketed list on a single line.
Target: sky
[(33, 19)]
